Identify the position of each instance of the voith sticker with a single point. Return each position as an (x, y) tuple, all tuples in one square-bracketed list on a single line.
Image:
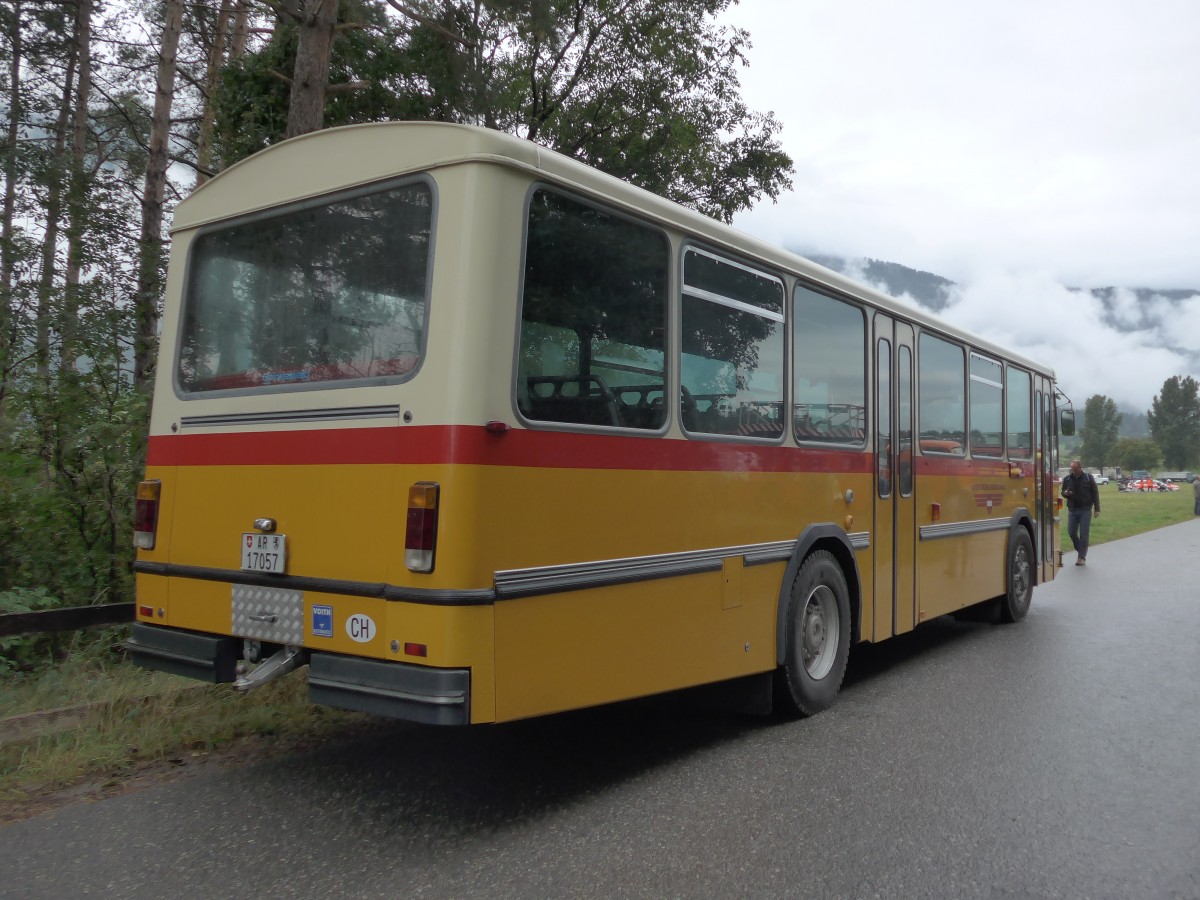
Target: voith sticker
[(322, 621), (360, 628)]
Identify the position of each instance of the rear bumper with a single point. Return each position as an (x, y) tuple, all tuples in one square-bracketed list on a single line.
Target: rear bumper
[(399, 690), (207, 657)]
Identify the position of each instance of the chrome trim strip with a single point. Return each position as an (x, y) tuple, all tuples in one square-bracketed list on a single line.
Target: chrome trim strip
[(860, 540), (958, 529), (578, 576), (389, 411), (509, 583), (778, 551)]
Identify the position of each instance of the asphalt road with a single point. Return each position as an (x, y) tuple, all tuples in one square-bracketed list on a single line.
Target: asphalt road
[(1055, 758)]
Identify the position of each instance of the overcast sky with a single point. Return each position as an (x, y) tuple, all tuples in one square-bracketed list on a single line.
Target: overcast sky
[(1016, 148)]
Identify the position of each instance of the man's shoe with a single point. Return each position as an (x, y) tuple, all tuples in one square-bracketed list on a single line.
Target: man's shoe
[(1081, 562)]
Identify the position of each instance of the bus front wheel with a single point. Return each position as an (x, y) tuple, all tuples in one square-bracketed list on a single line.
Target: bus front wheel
[(1019, 579), (818, 636)]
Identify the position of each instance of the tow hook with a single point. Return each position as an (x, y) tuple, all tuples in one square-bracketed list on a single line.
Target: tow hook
[(283, 661)]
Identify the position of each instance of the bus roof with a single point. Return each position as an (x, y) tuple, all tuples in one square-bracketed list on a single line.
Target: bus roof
[(337, 159)]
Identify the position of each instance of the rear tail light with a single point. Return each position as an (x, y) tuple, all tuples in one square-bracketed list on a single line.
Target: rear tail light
[(145, 514), (420, 539)]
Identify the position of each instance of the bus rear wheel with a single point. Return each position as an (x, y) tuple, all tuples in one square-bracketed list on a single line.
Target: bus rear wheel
[(817, 641), (1019, 578)]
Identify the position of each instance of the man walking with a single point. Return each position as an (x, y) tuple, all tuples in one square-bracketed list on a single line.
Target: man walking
[(1082, 495)]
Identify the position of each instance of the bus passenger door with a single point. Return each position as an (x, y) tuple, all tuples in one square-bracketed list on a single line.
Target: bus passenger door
[(905, 608), (893, 543), (1045, 465)]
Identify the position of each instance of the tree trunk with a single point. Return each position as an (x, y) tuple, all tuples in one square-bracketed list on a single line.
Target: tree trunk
[(216, 59), (241, 29), (8, 313), (151, 243), (54, 201), (77, 194), (306, 109)]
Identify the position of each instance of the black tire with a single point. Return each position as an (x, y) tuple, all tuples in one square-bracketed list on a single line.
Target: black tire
[(1019, 577), (817, 642)]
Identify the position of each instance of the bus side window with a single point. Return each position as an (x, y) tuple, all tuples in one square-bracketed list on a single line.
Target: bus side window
[(593, 317), (1017, 415), (829, 383), (941, 386), (733, 346)]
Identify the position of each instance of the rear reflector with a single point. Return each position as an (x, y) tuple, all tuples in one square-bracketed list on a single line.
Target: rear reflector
[(420, 539), (412, 649), (145, 514)]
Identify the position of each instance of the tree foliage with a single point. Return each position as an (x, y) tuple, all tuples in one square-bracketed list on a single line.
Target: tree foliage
[(1174, 417), (1137, 453), (1101, 424), (71, 419), (646, 90)]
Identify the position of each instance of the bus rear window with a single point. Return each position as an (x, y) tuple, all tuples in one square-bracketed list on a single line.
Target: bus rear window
[(323, 293)]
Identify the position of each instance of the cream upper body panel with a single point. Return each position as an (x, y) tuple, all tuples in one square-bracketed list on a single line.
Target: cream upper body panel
[(339, 159)]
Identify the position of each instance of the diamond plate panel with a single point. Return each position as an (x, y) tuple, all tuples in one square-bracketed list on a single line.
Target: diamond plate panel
[(269, 614)]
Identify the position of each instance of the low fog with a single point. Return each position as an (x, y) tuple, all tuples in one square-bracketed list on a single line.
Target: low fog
[(1118, 345)]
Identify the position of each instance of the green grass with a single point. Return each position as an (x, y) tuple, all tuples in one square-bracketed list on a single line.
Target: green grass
[(133, 719), (1125, 514)]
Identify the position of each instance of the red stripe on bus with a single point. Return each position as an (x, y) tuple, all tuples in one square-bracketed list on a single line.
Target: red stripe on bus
[(475, 446)]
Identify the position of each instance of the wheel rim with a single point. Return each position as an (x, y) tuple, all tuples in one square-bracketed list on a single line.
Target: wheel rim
[(817, 629), (1022, 575)]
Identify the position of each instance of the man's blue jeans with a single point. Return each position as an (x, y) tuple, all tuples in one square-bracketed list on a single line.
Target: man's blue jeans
[(1079, 526)]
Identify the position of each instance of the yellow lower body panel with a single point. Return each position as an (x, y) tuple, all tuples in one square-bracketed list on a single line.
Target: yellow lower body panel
[(588, 647)]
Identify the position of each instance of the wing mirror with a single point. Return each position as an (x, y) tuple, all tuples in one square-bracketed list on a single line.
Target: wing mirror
[(1066, 422)]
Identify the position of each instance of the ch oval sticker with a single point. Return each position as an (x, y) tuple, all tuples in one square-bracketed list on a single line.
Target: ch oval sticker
[(361, 628)]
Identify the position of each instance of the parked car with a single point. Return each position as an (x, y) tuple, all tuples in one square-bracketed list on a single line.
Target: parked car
[(1100, 479), (1148, 485)]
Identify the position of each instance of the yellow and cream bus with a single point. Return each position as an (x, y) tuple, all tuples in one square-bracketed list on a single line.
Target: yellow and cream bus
[(479, 433)]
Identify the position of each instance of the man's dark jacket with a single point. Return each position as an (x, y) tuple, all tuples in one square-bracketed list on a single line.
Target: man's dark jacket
[(1084, 492)]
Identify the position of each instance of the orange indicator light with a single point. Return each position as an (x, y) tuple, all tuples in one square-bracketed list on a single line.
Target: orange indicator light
[(145, 514), (937, 512), (420, 539)]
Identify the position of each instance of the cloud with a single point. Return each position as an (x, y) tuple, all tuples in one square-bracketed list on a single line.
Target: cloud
[(1020, 149), (944, 135), (1113, 345), (1043, 319)]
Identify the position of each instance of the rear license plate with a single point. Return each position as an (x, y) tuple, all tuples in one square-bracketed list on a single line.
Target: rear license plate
[(264, 553)]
